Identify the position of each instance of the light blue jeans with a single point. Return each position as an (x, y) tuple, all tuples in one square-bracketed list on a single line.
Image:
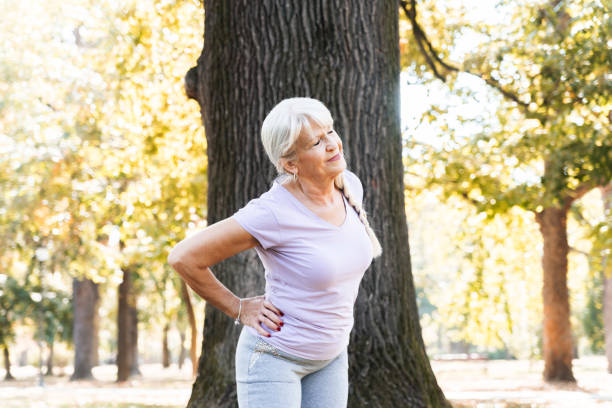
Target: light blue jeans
[(267, 377)]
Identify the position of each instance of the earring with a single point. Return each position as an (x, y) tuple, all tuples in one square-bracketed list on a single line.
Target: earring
[(295, 177)]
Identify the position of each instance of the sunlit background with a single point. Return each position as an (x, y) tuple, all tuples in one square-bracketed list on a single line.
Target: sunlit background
[(103, 167)]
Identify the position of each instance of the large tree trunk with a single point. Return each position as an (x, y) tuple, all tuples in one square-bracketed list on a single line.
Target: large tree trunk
[(346, 55), (85, 304), (193, 350), (557, 344), (606, 194), (7, 364), (127, 328)]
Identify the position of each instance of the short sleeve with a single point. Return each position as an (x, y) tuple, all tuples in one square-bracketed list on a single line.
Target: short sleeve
[(259, 221), (354, 184)]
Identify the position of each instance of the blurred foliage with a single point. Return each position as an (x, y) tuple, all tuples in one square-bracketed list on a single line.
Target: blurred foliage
[(484, 287), (552, 143), (103, 159), (521, 122), (102, 156), (596, 231), (15, 303)]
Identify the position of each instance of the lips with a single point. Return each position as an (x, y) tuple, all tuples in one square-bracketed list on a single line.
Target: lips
[(336, 157)]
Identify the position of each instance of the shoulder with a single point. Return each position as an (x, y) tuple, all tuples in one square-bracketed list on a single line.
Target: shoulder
[(266, 203), (354, 184), (258, 217)]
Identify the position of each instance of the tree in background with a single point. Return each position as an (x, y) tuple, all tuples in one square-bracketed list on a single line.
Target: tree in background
[(548, 143), (98, 144), (603, 251), (597, 318), (347, 57), (15, 302)]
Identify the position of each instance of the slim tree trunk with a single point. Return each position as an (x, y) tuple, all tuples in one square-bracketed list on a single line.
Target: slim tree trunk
[(85, 303), (50, 359), (165, 349), (193, 350), (345, 54), (606, 194), (7, 364), (125, 327), (557, 344), (183, 351)]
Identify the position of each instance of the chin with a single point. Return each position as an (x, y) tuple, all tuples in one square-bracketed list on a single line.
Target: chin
[(340, 168)]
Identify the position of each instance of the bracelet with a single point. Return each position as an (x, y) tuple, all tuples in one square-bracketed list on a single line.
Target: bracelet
[(237, 321)]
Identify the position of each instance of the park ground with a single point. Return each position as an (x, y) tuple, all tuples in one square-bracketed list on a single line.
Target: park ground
[(477, 383)]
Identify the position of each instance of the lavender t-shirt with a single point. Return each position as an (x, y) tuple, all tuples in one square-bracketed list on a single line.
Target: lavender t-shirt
[(312, 269)]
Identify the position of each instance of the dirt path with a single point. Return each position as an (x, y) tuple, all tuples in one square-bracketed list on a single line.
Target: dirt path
[(481, 384), (518, 383)]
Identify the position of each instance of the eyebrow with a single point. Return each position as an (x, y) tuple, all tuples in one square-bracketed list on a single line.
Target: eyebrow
[(326, 131), (321, 134)]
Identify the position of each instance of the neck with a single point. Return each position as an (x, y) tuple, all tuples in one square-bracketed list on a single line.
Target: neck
[(321, 193)]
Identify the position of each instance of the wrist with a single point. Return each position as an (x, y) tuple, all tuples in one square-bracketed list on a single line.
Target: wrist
[(238, 313)]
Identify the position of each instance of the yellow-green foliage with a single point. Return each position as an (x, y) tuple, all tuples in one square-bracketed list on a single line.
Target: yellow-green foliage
[(99, 142)]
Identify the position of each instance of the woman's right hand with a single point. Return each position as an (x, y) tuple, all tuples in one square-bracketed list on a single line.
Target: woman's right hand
[(256, 310)]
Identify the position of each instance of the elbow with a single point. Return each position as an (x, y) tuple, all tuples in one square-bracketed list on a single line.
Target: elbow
[(182, 262), (173, 258)]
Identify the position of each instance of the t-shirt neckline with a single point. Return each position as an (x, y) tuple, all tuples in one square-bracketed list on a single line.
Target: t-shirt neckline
[(311, 213)]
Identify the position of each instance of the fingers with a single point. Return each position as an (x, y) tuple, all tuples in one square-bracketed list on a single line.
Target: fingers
[(273, 318), (265, 313), (273, 308), (261, 330)]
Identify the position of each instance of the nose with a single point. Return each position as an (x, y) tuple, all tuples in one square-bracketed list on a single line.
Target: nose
[(332, 144)]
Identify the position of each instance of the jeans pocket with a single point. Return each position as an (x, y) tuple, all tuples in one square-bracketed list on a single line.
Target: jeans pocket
[(262, 347)]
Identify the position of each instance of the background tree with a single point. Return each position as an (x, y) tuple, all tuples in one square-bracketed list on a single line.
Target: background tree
[(84, 335), (349, 58), (15, 302), (606, 262), (548, 144), (98, 141)]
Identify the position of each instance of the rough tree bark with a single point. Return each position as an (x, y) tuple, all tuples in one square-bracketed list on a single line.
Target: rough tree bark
[(86, 300), (345, 54), (606, 194)]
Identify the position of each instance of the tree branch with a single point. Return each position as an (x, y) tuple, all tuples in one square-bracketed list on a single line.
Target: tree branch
[(578, 192), (432, 56), (580, 252)]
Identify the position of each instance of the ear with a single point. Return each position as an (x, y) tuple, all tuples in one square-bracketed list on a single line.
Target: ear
[(290, 166)]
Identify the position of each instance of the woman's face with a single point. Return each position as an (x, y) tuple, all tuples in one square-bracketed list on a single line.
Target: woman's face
[(314, 151)]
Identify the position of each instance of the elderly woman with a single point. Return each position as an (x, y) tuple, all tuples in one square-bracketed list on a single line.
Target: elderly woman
[(313, 237)]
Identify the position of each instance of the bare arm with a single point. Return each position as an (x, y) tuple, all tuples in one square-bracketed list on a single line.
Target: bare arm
[(192, 257)]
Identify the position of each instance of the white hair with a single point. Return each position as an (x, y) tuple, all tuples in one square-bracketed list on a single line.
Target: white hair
[(281, 129)]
